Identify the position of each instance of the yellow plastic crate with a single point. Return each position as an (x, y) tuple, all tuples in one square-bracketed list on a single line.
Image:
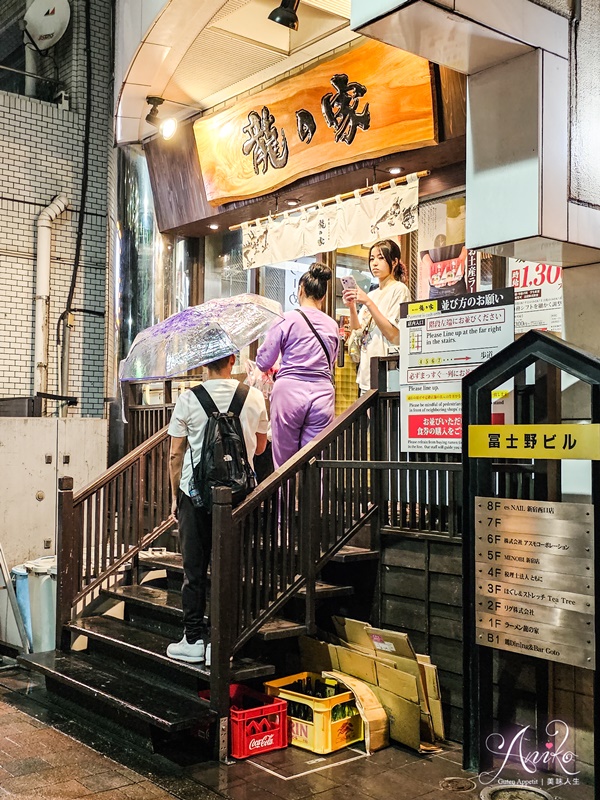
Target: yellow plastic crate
[(324, 734)]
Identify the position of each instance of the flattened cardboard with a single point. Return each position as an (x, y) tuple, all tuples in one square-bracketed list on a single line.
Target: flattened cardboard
[(354, 632), (359, 665), (398, 682), (317, 656), (391, 642), (374, 716), (404, 717)]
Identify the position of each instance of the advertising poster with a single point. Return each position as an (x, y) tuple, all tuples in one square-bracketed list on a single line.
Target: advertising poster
[(446, 267), (441, 341), (538, 296)]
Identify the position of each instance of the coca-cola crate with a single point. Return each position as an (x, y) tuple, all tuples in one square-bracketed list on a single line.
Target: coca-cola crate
[(257, 722)]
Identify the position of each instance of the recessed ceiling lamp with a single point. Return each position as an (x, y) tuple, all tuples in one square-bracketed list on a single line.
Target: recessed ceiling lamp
[(292, 202), (395, 170), (167, 127), (285, 14), (213, 226)]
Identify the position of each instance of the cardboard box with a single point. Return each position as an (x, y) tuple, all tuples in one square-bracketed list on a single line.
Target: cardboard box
[(404, 718), (318, 656), (375, 718), (406, 683)]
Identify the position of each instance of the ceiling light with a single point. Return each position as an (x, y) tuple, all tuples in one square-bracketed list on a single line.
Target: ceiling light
[(285, 14), (168, 128), (213, 226), (395, 170), (292, 202)]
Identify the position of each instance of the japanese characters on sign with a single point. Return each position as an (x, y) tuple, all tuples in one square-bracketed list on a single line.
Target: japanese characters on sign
[(369, 101), (268, 145), (441, 341), (535, 441), (534, 578), (538, 296)]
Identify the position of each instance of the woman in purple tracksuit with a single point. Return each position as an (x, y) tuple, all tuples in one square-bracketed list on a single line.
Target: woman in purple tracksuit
[(303, 397)]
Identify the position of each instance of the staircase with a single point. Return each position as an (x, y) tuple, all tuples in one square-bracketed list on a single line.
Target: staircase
[(115, 618)]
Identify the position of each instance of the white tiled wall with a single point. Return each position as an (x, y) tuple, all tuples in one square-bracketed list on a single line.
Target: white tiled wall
[(41, 155)]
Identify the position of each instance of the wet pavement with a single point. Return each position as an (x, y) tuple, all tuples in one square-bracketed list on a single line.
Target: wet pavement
[(45, 753)]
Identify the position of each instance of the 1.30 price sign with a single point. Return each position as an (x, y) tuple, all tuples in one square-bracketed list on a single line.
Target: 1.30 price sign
[(538, 296)]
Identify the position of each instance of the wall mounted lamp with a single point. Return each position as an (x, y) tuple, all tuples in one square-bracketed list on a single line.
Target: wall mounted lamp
[(167, 126), (285, 14)]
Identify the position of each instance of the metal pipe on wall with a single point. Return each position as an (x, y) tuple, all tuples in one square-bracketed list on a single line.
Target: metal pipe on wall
[(42, 290)]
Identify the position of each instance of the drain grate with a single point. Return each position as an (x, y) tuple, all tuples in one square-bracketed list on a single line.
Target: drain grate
[(458, 785)]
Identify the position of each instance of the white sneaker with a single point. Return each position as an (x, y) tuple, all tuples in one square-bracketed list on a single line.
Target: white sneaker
[(184, 651), (207, 656)]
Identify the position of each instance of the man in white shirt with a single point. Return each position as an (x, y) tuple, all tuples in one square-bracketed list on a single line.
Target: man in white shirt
[(195, 524)]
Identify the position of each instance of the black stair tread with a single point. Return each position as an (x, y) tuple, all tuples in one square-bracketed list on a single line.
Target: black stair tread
[(153, 646), (324, 590), (281, 629), (156, 704), (162, 599), (170, 561), (350, 553)]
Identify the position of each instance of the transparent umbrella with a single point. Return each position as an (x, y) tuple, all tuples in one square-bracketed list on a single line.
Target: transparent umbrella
[(197, 336)]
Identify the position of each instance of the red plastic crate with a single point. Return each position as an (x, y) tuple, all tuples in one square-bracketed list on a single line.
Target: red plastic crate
[(254, 730)]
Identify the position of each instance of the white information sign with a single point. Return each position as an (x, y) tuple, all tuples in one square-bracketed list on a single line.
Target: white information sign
[(538, 296), (441, 341), (432, 416)]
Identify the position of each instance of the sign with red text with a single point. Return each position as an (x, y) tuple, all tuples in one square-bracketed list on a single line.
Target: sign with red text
[(441, 341), (432, 416), (538, 296)]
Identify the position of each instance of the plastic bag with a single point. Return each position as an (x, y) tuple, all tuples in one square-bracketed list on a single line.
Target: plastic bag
[(263, 381), (354, 345)]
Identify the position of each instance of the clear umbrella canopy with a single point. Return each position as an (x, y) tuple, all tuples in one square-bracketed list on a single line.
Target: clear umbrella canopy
[(197, 336)]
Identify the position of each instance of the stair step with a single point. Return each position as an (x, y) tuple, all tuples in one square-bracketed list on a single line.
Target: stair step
[(168, 561), (157, 705), (152, 646), (324, 590), (349, 553), (281, 629), (149, 597)]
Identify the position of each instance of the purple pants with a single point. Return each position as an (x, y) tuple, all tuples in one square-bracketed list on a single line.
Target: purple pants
[(299, 411)]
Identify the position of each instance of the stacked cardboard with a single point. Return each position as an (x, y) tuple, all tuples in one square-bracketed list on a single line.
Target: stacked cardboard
[(406, 684)]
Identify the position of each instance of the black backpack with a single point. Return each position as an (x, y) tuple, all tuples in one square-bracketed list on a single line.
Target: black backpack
[(224, 459)]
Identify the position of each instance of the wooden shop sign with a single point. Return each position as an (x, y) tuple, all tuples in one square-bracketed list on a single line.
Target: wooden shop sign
[(371, 101)]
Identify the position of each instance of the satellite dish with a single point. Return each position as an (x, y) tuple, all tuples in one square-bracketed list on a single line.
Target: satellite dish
[(46, 21)]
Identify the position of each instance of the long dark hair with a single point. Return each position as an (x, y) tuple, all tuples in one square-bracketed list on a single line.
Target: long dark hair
[(314, 282), (390, 250)]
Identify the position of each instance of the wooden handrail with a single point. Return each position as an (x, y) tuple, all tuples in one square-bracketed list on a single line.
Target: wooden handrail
[(303, 456), (120, 466)]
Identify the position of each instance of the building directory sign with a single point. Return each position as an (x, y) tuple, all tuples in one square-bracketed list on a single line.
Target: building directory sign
[(534, 579)]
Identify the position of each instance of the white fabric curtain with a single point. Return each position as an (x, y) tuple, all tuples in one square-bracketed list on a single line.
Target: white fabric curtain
[(359, 220)]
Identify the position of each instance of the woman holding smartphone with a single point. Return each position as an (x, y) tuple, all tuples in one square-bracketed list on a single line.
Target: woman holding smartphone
[(379, 317)]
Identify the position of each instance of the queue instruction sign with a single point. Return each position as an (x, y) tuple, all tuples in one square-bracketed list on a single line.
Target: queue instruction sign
[(441, 341), (534, 582)]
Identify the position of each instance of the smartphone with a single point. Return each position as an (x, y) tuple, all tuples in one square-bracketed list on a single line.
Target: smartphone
[(348, 282)]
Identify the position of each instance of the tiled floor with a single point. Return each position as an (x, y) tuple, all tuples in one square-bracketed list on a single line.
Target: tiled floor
[(45, 754)]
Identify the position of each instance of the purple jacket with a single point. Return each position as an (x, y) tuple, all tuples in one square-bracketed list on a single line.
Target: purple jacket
[(302, 356)]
